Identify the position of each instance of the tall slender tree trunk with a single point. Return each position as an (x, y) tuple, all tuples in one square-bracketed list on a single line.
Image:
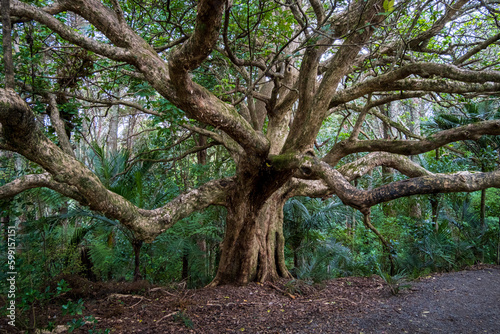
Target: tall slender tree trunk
[(482, 213), (434, 199), (296, 264), (113, 130), (201, 155), (185, 265), (137, 245), (130, 132)]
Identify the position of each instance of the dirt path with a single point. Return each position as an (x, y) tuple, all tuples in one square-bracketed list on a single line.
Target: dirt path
[(460, 302)]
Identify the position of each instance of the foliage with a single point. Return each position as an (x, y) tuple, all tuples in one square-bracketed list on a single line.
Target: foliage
[(394, 282)]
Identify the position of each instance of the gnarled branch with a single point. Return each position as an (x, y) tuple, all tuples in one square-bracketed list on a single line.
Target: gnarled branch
[(46, 180), (413, 147), (21, 9), (428, 184), (393, 81)]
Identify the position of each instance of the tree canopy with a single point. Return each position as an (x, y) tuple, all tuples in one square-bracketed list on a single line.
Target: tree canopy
[(302, 97)]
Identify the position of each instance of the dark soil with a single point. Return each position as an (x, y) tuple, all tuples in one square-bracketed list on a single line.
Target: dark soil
[(460, 302)]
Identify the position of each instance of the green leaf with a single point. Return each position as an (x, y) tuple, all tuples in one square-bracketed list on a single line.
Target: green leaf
[(388, 5)]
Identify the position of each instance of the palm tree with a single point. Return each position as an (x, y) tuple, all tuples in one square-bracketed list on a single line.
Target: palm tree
[(482, 149), (131, 181), (304, 217)]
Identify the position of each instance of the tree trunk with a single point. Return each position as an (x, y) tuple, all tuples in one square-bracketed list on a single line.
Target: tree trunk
[(295, 260), (482, 213), (137, 245), (87, 264), (113, 131), (185, 265), (201, 155), (130, 132), (253, 247), (434, 199)]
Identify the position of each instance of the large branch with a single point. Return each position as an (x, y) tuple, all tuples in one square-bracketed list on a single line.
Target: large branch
[(21, 9), (429, 184), (52, 9), (351, 171), (198, 102), (413, 147), (312, 112), (201, 43), (393, 79), (442, 86), (422, 39), (211, 193), (440, 183), (22, 133), (59, 126), (477, 49), (73, 179), (46, 180), (401, 163)]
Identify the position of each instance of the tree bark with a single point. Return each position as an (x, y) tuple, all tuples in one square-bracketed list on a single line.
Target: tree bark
[(253, 247)]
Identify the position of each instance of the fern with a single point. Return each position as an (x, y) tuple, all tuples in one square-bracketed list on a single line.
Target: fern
[(102, 257)]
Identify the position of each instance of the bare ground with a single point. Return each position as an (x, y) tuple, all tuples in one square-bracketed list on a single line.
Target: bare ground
[(459, 302)]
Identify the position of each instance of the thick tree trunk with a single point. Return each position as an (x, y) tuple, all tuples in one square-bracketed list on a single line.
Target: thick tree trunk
[(253, 247)]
